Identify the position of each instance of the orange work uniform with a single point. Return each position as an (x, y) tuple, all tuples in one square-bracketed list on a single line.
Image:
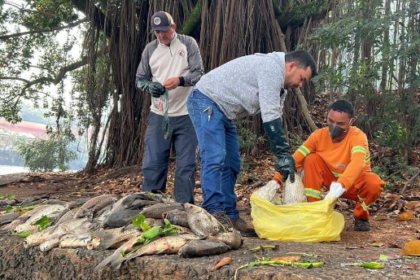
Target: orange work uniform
[(346, 162)]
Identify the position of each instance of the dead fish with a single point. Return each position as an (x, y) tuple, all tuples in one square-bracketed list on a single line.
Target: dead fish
[(158, 197), (93, 205), (55, 201), (102, 240), (156, 211), (154, 222), (69, 215), (117, 257), (73, 226), (78, 202), (8, 218), (12, 225), (37, 238), (51, 243), (232, 238), (120, 218), (119, 215), (177, 217), (74, 241), (200, 248), (137, 201), (184, 230), (164, 245), (48, 211), (201, 222), (294, 192)]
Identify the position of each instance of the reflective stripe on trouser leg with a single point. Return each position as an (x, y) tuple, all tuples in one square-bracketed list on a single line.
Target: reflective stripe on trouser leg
[(317, 175), (365, 190)]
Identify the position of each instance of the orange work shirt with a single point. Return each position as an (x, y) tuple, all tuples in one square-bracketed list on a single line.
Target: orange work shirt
[(345, 159)]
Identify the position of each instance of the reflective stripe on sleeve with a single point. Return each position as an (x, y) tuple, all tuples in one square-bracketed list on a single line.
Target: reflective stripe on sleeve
[(358, 149), (304, 151), (313, 193)]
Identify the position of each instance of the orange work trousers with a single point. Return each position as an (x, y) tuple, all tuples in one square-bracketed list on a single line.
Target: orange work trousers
[(365, 190)]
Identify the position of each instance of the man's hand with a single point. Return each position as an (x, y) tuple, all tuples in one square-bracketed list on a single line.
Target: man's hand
[(172, 83), (336, 190), (156, 89), (286, 166)]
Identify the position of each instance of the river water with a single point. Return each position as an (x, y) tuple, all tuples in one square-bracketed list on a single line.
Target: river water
[(7, 169)]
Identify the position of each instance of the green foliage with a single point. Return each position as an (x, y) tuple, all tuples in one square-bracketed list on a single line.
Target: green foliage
[(247, 139), (46, 155), (243, 174), (42, 223)]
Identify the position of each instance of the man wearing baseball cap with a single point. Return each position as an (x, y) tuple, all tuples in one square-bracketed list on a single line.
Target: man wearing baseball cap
[(171, 62)]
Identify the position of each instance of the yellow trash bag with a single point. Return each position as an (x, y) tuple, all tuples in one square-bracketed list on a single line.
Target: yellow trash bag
[(299, 222)]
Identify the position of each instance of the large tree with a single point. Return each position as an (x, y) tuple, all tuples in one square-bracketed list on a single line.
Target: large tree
[(104, 96)]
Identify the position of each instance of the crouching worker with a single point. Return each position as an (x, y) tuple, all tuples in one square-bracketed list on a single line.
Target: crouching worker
[(338, 158)]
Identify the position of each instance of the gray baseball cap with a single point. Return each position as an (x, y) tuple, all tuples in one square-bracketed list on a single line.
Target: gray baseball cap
[(161, 21)]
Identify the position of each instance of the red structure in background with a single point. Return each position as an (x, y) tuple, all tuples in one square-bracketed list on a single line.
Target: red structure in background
[(22, 129)]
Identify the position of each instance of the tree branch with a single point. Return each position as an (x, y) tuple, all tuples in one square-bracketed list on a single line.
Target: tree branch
[(76, 23), (297, 15), (305, 110), (61, 73), (193, 20)]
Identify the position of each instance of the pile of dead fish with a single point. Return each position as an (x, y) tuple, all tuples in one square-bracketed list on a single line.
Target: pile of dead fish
[(106, 222)]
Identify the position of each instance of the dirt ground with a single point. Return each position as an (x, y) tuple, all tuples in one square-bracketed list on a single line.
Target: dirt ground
[(388, 234)]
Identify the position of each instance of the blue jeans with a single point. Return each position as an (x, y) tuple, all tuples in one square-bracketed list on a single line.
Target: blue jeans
[(156, 157), (219, 151)]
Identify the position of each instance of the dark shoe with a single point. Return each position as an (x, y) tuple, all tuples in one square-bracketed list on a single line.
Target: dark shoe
[(223, 219), (361, 225), (243, 228)]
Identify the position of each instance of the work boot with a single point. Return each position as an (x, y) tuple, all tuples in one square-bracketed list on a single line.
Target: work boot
[(361, 225), (243, 228), (223, 219)]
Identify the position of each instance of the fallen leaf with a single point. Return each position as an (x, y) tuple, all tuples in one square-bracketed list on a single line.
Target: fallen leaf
[(381, 218), (412, 204), (411, 266), (411, 248), (287, 259), (377, 244), (405, 216), (223, 262)]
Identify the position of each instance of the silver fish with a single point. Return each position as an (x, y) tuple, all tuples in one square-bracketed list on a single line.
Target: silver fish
[(177, 217), (164, 245), (201, 222), (294, 192), (50, 243), (200, 248), (102, 240), (232, 238), (75, 241), (48, 211), (117, 257), (8, 218), (158, 210), (93, 205)]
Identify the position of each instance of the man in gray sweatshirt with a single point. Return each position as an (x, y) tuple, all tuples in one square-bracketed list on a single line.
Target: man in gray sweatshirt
[(170, 63), (244, 86)]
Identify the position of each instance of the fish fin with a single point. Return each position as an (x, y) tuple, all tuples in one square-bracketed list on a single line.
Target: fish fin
[(103, 263)]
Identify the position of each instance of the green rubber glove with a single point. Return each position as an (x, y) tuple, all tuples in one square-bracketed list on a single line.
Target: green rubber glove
[(154, 88), (285, 163)]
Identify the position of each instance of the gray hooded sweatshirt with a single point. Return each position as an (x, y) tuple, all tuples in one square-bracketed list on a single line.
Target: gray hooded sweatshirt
[(248, 85)]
